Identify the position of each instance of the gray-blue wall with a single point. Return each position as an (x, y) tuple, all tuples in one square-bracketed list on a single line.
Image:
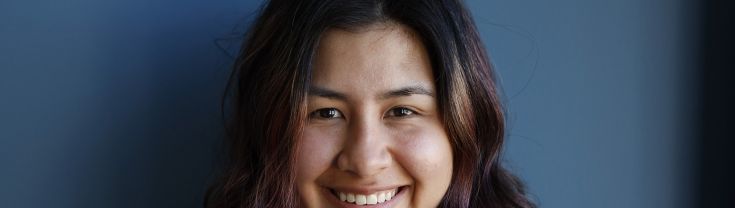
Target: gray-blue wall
[(601, 98), (116, 103)]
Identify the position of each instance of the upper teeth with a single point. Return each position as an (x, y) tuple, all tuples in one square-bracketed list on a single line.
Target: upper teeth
[(374, 198)]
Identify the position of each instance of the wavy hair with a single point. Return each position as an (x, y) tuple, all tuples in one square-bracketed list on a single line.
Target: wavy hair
[(268, 89)]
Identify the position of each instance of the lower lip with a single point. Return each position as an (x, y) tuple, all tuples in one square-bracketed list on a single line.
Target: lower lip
[(339, 203)]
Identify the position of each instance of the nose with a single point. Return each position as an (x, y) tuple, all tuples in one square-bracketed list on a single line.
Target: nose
[(365, 150)]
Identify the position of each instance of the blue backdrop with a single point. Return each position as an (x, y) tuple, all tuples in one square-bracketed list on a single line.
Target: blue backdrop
[(116, 103)]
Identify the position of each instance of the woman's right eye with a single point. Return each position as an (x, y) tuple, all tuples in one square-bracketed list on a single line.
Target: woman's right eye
[(326, 113)]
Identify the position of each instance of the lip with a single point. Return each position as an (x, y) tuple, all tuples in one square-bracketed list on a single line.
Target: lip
[(339, 203)]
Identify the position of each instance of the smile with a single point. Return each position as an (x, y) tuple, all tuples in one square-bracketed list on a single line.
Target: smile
[(378, 197)]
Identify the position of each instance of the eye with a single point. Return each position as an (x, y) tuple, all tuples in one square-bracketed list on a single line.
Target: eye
[(400, 112), (326, 113)]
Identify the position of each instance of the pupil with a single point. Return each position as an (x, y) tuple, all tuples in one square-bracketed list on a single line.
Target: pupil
[(328, 113), (402, 112)]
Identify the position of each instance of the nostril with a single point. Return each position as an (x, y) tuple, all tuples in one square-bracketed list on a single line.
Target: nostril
[(365, 166), (364, 157)]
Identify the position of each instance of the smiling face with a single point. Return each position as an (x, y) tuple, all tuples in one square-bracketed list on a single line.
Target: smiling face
[(374, 136)]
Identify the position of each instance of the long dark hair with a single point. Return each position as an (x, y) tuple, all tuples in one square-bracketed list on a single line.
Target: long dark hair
[(272, 72)]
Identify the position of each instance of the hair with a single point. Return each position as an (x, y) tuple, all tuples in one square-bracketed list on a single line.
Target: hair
[(271, 75)]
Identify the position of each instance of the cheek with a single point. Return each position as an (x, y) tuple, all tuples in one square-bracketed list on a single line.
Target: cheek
[(426, 154), (317, 151)]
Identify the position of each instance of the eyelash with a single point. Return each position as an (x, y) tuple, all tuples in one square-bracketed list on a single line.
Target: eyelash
[(332, 113)]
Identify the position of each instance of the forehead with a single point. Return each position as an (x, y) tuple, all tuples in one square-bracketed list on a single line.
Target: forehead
[(378, 57)]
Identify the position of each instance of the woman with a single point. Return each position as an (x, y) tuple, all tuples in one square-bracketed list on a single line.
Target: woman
[(375, 103)]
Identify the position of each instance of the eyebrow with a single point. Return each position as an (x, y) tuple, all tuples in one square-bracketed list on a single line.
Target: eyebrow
[(326, 93), (400, 92), (407, 91)]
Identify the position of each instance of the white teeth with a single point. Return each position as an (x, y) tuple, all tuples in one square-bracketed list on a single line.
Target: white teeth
[(372, 199), (360, 199)]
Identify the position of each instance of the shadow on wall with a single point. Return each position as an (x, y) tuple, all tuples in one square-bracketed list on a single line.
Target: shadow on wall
[(112, 104), (158, 118)]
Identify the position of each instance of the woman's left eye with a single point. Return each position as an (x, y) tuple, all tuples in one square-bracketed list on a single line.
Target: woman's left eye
[(400, 112)]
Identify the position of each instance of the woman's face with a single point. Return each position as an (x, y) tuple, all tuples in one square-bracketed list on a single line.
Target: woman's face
[(374, 135)]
